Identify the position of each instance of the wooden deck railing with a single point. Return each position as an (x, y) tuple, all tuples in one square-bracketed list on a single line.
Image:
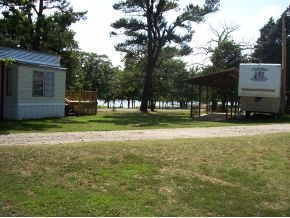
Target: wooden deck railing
[(81, 102), (73, 95)]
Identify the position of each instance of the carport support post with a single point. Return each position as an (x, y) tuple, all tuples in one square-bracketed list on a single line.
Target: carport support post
[(226, 104), (199, 96), (236, 106), (212, 100), (191, 101), (207, 101), (232, 102), (226, 110)]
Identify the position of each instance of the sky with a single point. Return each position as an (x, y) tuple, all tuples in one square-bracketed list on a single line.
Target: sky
[(93, 34)]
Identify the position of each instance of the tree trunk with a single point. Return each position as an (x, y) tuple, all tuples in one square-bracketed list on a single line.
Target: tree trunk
[(150, 59), (147, 89), (128, 99), (38, 32), (152, 105)]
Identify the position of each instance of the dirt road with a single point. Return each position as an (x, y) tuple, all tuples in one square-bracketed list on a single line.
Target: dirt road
[(78, 137)]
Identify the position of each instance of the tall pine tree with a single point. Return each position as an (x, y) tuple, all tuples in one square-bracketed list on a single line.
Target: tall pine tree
[(148, 31), (268, 48)]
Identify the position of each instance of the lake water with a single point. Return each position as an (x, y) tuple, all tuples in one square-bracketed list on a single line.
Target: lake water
[(137, 104)]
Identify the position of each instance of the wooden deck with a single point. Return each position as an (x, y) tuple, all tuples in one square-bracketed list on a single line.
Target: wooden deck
[(81, 102)]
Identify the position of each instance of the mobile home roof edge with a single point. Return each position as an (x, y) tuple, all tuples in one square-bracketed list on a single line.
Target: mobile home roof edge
[(30, 57), (41, 65)]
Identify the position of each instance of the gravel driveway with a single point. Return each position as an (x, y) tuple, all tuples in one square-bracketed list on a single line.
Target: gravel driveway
[(78, 137)]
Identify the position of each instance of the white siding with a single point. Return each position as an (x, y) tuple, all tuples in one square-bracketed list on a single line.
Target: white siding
[(10, 102), (267, 105), (25, 86), (33, 111)]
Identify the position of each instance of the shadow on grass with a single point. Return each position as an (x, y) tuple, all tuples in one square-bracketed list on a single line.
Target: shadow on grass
[(35, 125), (260, 119), (128, 121), (155, 119)]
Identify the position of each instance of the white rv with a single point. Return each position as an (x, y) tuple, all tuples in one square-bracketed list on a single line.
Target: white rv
[(260, 88)]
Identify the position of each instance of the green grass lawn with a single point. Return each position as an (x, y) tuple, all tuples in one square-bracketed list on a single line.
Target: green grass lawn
[(122, 120), (242, 176)]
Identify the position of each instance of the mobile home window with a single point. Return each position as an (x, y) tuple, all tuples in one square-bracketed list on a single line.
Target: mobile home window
[(43, 84), (8, 82)]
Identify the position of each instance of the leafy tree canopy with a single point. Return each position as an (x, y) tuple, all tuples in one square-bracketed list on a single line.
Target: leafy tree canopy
[(38, 24)]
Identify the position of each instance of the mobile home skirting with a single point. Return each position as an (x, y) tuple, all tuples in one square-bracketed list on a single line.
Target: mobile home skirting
[(33, 111)]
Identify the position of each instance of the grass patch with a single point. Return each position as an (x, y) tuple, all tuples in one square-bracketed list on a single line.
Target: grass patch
[(123, 120), (242, 176)]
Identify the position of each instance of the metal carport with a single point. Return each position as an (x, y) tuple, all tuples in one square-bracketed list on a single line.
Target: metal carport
[(226, 80)]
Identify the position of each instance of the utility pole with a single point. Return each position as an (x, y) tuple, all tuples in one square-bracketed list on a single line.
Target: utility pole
[(283, 76)]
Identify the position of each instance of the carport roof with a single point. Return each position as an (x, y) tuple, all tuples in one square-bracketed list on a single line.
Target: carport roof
[(223, 79)]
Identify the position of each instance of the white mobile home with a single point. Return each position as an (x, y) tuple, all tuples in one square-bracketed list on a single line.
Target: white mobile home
[(260, 87), (32, 86)]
